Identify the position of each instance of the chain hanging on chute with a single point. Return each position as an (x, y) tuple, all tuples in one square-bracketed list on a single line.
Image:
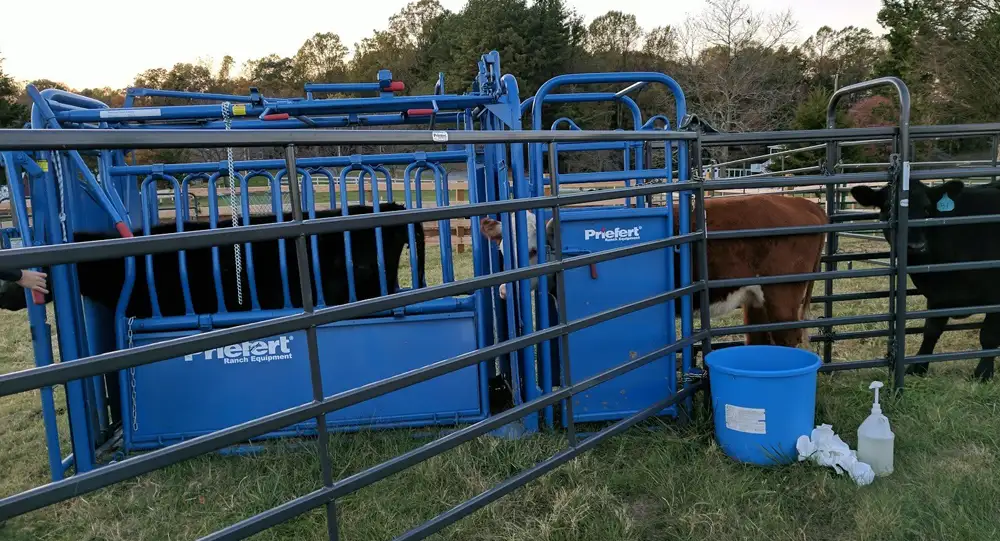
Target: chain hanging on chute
[(233, 206)]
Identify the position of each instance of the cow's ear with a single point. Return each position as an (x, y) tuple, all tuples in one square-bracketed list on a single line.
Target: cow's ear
[(550, 225), (953, 188), (493, 229), (867, 197)]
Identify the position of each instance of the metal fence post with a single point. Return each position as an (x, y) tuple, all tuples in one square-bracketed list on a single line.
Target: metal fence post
[(702, 255), (893, 262), (832, 158), (560, 294), (901, 204), (897, 342), (305, 286)]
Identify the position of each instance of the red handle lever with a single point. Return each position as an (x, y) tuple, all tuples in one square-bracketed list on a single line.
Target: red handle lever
[(396, 86), (123, 230), (276, 116), (38, 297), (419, 112)]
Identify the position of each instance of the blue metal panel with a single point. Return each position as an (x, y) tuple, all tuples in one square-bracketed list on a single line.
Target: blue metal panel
[(619, 281), (185, 397), (633, 391), (31, 232), (179, 399), (375, 349)]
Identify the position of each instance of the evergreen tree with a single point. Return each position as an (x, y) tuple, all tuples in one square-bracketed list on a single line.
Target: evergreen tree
[(12, 113)]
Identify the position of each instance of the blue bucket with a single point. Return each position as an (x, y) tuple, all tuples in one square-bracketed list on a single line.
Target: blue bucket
[(763, 399)]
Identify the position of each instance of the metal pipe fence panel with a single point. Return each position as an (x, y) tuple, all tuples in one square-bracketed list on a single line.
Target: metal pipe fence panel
[(131, 467), (89, 366), (843, 223), (310, 318), (376, 473)]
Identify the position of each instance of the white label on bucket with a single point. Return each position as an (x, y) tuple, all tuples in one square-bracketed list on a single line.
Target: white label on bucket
[(749, 420)]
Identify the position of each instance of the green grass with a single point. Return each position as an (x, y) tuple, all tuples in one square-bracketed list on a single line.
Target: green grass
[(672, 483)]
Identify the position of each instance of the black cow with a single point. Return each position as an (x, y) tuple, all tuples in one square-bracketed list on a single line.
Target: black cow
[(949, 244), (103, 280)]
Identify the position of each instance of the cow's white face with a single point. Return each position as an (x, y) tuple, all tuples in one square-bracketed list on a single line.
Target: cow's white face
[(493, 230)]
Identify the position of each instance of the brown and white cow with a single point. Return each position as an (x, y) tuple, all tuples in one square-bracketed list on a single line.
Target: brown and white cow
[(742, 258)]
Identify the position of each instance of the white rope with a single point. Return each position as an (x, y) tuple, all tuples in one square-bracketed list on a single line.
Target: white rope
[(233, 206)]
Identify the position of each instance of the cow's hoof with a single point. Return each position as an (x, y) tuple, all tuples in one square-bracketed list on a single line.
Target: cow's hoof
[(916, 370), (983, 376)]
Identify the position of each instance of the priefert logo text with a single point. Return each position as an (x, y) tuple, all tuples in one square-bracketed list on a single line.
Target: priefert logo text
[(611, 235), (257, 351)]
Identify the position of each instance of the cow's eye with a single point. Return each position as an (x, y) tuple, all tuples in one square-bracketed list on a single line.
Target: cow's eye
[(532, 252)]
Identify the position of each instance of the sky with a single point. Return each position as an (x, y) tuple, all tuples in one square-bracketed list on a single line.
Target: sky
[(109, 44)]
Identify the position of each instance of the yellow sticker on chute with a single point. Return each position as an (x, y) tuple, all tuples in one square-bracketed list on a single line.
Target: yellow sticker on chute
[(239, 110), (44, 164)]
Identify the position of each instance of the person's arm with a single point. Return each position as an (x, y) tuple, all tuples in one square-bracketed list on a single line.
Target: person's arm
[(34, 281), (27, 279), (10, 275)]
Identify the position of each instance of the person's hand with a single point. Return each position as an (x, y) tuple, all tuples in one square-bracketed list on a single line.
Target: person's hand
[(33, 280)]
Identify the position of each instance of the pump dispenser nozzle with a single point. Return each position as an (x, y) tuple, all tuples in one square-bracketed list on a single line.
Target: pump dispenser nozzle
[(876, 408)]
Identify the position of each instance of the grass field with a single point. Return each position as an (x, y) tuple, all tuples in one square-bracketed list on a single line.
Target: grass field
[(672, 483)]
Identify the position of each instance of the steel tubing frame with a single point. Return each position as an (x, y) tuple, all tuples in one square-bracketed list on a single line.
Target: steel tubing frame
[(28, 379), (310, 318), (899, 179), (299, 228), (374, 474)]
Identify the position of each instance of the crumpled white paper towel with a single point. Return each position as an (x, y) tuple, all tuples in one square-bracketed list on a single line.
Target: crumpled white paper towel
[(825, 448)]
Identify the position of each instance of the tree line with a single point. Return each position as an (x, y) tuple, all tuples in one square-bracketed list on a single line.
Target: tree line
[(740, 68)]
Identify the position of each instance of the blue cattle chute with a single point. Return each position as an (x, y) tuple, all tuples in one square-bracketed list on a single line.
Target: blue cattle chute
[(108, 193), (621, 281), (153, 405), (355, 352)]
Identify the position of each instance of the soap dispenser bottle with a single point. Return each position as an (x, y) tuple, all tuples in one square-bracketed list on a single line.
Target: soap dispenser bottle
[(875, 438)]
